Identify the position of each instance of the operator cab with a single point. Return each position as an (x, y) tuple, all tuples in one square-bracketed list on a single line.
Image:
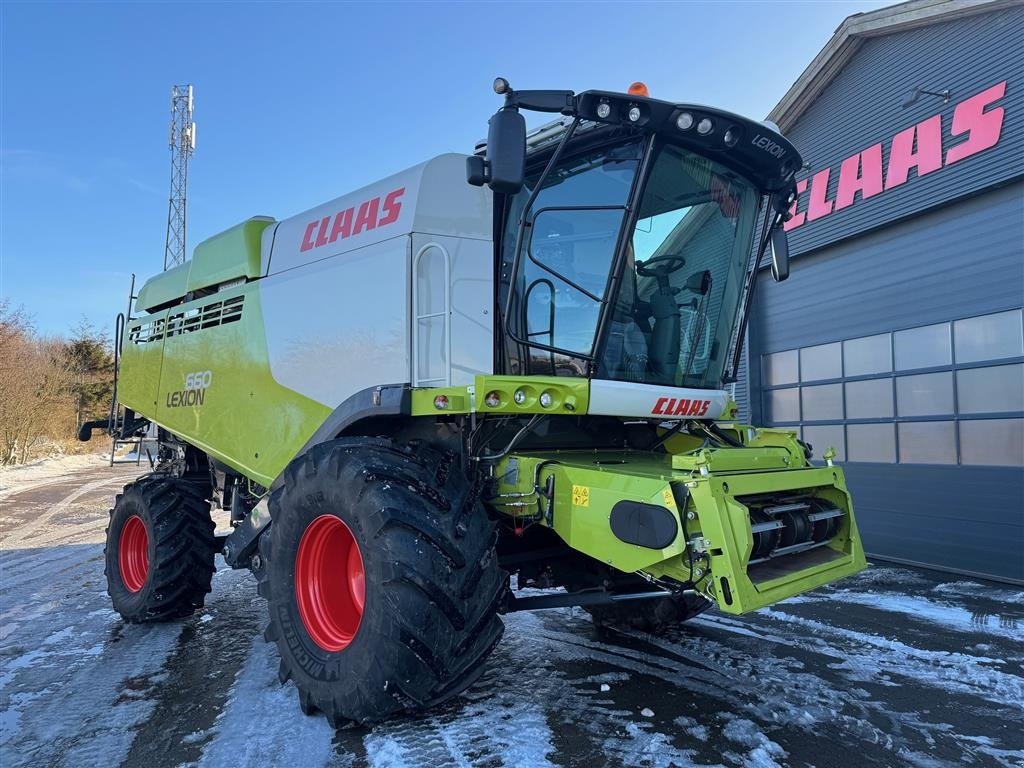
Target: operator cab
[(625, 235)]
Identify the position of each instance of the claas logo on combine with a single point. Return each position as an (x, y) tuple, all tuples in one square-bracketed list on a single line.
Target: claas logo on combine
[(670, 406), (371, 214), (194, 392)]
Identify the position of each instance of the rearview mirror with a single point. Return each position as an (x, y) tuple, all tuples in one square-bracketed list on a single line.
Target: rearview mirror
[(780, 254), (506, 151)]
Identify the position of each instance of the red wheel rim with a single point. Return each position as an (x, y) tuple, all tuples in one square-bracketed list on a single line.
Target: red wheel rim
[(330, 585), (133, 553)]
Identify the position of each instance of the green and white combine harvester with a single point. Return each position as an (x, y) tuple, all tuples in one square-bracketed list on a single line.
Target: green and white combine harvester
[(409, 394)]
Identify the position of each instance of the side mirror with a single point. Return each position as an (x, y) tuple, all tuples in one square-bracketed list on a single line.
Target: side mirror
[(504, 170), (780, 254), (699, 282)]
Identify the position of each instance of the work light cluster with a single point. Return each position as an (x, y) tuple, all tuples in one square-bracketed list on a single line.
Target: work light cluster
[(527, 397), (638, 113), (705, 126), (524, 397)]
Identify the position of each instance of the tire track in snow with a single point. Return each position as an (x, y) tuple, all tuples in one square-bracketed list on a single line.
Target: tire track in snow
[(24, 532), (261, 723), (1007, 624), (200, 671), (502, 720), (57, 470), (74, 678), (72, 697)]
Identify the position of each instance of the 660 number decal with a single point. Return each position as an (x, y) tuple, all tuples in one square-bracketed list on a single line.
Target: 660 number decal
[(194, 391), (198, 380)]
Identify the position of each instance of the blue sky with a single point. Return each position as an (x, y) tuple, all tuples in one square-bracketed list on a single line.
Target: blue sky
[(300, 103)]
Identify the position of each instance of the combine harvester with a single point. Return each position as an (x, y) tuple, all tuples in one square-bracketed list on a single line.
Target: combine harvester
[(413, 392)]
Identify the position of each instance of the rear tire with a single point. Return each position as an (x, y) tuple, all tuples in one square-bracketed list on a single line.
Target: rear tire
[(381, 577), (159, 550)]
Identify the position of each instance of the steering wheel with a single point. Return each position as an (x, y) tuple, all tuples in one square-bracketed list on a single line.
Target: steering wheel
[(660, 266)]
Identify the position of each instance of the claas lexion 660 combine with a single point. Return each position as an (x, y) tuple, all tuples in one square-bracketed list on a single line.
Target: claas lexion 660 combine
[(410, 394)]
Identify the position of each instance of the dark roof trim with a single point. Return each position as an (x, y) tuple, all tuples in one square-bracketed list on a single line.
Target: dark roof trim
[(854, 31)]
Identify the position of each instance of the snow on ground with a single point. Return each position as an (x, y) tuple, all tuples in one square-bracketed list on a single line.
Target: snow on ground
[(41, 472), (894, 667)]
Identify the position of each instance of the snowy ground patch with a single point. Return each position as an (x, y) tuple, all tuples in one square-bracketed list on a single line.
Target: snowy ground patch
[(894, 667), (43, 471)]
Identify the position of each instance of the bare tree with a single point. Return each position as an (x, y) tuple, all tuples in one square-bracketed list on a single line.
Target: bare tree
[(36, 387)]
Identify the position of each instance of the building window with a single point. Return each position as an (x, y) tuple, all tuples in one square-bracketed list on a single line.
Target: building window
[(927, 442), (871, 442), (995, 442), (869, 399), (990, 337), (867, 355), (929, 394), (822, 403), (782, 368), (927, 347), (948, 393), (824, 361), (825, 436), (998, 389), (784, 405)]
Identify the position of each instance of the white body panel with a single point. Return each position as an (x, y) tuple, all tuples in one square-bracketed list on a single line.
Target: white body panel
[(408, 299), (432, 198), (337, 326), (452, 306), (624, 398)]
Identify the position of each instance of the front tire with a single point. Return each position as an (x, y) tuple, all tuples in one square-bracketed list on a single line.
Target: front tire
[(381, 577), (159, 551)]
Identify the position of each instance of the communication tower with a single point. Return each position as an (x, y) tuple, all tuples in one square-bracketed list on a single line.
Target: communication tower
[(183, 144)]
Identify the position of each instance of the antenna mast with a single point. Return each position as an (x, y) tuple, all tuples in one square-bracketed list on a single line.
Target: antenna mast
[(183, 144)]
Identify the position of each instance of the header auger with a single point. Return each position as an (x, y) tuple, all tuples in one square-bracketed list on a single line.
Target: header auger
[(409, 394)]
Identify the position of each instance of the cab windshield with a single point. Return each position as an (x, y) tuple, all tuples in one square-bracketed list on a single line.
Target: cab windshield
[(684, 272), (672, 314)]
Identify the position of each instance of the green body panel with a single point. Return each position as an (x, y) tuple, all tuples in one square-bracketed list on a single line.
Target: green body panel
[(233, 254), (139, 379), (724, 524), (720, 460), (569, 396), (238, 414), (588, 484), (164, 288)]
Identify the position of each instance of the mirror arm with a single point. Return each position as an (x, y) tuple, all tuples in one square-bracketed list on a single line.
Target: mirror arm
[(521, 229), (769, 223), (563, 102), (780, 245)]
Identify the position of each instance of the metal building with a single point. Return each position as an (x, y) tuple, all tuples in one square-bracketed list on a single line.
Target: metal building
[(898, 339)]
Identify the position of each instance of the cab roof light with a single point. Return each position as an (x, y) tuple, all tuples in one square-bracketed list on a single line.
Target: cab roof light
[(638, 89)]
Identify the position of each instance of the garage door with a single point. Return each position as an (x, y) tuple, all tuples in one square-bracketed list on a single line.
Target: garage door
[(927, 416)]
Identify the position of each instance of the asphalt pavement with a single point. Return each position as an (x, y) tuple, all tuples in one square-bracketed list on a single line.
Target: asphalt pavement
[(896, 666)]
